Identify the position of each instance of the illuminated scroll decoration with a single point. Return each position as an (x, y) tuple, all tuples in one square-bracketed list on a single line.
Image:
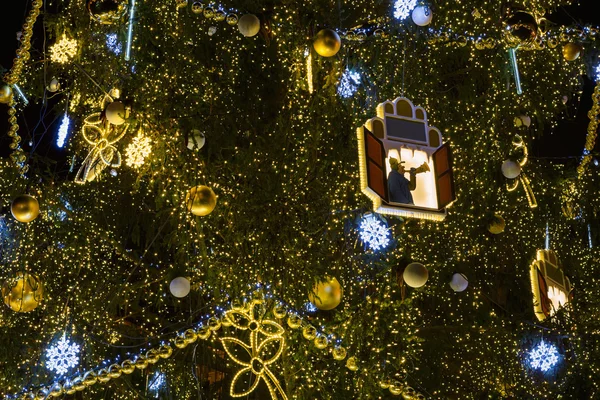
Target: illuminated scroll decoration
[(401, 132), (512, 185), (265, 348), (102, 136), (551, 288)]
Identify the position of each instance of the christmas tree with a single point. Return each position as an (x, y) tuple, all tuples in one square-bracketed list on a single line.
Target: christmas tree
[(303, 200)]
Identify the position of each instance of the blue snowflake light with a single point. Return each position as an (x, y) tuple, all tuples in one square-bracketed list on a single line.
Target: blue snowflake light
[(63, 131), (403, 7), (310, 307), (543, 357), (348, 83), (374, 233), (156, 383), (62, 356), (113, 44)]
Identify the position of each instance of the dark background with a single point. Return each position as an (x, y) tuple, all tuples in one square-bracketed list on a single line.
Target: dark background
[(563, 144)]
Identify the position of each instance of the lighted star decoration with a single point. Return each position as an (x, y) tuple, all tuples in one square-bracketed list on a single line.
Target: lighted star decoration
[(348, 83), (137, 151), (64, 50), (265, 348), (403, 7), (543, 357), (62, 356), (374, 233)]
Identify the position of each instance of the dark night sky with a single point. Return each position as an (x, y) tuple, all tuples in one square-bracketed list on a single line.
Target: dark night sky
[(566, 140)]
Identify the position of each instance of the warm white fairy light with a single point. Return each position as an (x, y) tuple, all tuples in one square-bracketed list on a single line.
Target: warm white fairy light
[(373, 232), (543, 357), (348, 83), (138, 150), (64, 50), (402, 8), (62, 356), (63, 131)]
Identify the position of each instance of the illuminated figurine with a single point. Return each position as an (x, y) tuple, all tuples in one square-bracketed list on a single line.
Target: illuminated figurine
[(399, 187)]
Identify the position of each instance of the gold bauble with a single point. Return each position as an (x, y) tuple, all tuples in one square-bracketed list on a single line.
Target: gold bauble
[(339, 353), (127, 367), (204, 333), (352, 364), (395, 388), (571, 51), (321, 342), (279, 311), (326, 295), (107, 11), (294, 321), (201, 200), (327, 43), (5, 93), (496, 225), (23, 293), (408, 393), (214, 324), (309, 332), (25, 208)]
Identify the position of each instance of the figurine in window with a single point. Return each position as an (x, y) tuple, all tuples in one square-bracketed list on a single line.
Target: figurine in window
[(399, 187)]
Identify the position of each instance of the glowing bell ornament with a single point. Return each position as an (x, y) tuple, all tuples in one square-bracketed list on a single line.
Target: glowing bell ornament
[(180, 287), (116, 113), (511, 169), (326, 295), (422, 15), (23, 293), (459, 282), (496, 225), (249, 25), (25, 208), (571, 51), (327, 43), (415, 275), (201, 200)]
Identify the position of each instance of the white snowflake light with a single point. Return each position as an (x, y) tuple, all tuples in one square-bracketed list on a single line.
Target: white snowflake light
[(113, 43), (374, 233), (348, 83), (62, 356), (157, 382), (403, 7), (543, 357), (63, 131)]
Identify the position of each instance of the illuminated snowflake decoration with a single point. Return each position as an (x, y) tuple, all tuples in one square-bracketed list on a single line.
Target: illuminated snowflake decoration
[(543, 357), (63, 131), (373, 232), (310, 307), (403, 7), (64, 50), (138, 150), (157, 382), (113, 44), (62, 356), (348, 83)]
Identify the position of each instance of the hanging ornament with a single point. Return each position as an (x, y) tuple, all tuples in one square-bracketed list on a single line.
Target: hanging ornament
[(395, 388), (116, 113), (197, 7), (232, 19), (403, 7), (543, 356), (521, 27), (309, 332), (571, 51), (522, 120), (107, 11), (422, 15), (220, 15), (496, 224), (208, 13), (137, 151), (196, 140), (62, 356), (352, 363), (201, 200), (349, 83), (415, 275), (63, 50), (459, 282), (25, 208), (326, 295), (180, 287), (339, 353), (249, 25), (5, 93), (23, 293), (327, 43), (511, 169), (374, 232), (54, 85)]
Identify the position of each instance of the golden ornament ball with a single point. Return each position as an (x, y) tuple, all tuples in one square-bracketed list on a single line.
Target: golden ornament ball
[(339, 353), (107, 12), (496, 225), (23, 293), (395, 388), (571, 51), (352, 364), (201, 200), (327, 43), (294, 321), (321, 342), (309, 332), (5, 93), (25, 208), (326, 295)]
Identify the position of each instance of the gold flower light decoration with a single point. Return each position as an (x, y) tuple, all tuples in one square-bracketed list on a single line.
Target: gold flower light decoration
[(265, 348), (137, 151), (64, 50)]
